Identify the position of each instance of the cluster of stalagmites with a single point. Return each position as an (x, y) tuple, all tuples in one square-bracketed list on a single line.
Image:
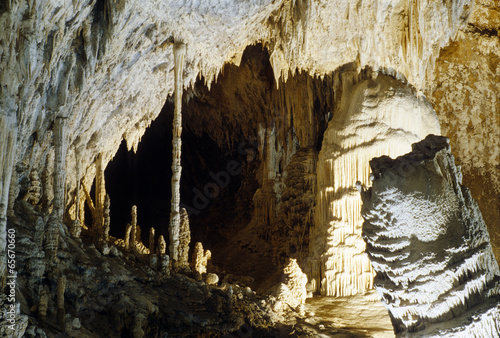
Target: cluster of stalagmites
[(94, 286), (429, 246)]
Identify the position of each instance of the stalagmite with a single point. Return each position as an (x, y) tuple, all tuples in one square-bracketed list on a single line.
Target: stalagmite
[(165, 265), (152, 240), (8, 137), (107, 218), (292, 291), (184, 240), (162, 246), (43, 304), (133, 224), (55, 223), (427, 241), (377, 116), (61, 313), (60, 145), (100, 195), (179, 53), (48, 183), (126, 238), (76, 226), (200, 258)]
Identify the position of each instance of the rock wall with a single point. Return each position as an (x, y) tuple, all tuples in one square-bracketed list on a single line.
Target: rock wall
[(427, 241), (378, 115), (465, 97)]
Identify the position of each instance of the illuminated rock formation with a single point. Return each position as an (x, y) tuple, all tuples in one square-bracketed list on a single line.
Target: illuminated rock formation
[(436, 272), (377, 116), (292, 292), (200, 258)]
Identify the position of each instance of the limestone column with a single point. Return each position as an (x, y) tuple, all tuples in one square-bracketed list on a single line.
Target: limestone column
[(8, 139), (56, 218), (59, 168), (179, 53)]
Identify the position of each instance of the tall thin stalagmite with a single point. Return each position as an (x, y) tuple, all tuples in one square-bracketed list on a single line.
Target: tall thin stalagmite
[(179, 53), (56, 218), (100, 194), (59, 168)]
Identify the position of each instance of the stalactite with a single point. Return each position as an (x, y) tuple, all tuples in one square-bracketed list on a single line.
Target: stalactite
[(179, 53), (377, 116), (8, 138)]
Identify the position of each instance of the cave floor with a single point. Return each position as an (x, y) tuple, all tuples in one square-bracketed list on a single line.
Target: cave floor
[(355, 316)]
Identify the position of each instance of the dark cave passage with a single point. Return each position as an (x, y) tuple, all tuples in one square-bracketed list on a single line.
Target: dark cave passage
[(238, 140), (211, 178)]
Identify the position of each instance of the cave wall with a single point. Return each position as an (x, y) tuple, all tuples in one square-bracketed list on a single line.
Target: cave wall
[(465, 97)]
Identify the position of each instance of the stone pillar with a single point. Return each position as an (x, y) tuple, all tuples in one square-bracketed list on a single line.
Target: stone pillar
[(179, 53)]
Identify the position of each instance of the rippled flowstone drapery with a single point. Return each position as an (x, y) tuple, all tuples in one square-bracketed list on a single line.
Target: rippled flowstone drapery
[(427, 241)]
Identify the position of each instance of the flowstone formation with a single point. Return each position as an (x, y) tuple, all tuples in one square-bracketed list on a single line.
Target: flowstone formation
[(427, 241), (377, 116)]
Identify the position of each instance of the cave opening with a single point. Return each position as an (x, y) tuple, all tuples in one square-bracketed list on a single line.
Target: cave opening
[(239, 140)]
